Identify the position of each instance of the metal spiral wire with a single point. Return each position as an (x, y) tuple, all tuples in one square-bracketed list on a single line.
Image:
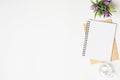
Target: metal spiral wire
[(86, 39)]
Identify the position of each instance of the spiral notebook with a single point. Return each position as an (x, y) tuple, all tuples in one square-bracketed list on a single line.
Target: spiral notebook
[(99, 40)]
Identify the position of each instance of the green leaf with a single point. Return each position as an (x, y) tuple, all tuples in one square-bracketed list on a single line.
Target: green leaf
[(100, 13), (102, 7), (97, 1), (102, 1), (95, 14), (110, 14), (92, 2), (111, 8)]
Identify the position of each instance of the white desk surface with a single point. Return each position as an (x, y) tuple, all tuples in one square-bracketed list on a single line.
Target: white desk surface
[(42, 39)]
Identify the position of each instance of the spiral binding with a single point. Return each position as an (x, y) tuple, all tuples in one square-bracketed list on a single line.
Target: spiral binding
[(86, 39)]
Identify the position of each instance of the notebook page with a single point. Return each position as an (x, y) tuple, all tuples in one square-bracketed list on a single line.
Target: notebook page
[(100, 40)]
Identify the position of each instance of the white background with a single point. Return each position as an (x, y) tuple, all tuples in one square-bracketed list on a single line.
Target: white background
[(42, 39)]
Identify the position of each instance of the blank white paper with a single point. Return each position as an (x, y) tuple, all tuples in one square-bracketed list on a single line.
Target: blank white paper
[(100, 40)]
